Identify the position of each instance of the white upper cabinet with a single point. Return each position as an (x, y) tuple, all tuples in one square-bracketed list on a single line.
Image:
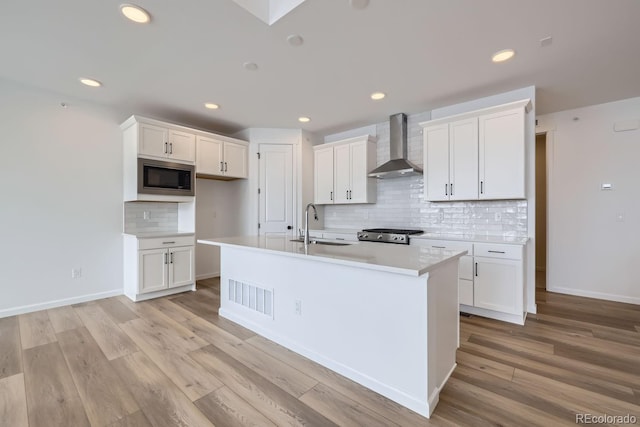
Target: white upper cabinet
[(221, 159), (451, 161), (166, 143), (476, 155), (502, 155), (323, 175), (341, 171), (235, 159)]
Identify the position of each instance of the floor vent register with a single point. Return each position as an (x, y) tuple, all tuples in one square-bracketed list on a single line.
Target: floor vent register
[(252, 297)]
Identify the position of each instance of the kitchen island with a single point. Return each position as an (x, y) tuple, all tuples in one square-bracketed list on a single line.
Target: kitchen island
[(383, 315)]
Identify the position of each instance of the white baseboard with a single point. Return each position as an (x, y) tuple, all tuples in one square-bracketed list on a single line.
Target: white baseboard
[(58, 303), (208, 276), (592, 294)]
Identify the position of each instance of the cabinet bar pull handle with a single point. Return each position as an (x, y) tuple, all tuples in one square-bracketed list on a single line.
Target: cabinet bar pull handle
[(476, 269), (496, 252), (171, 148), (221, 166), (331, 195), (165, 258), (166, 144), (225, 166), (439, 247), (168, 243), (481, 187), (452, 188), (171, 257), (446, 189)]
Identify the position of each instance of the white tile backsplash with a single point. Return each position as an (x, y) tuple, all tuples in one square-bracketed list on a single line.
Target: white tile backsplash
[(401, 201), (161, 217)]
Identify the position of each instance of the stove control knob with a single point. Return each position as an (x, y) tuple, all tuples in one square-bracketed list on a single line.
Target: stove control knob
[(366, 236), (379, 237), (395, 237)]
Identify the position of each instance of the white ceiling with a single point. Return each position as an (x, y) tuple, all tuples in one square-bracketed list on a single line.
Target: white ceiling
[(423, 54)]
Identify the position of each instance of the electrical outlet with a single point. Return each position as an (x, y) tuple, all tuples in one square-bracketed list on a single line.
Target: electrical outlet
[(619, 217), (76, 273), (298, 307), (145, 215), (498, 216), (441, 215)]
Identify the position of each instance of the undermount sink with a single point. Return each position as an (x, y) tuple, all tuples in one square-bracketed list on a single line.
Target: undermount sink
[(322, 242)]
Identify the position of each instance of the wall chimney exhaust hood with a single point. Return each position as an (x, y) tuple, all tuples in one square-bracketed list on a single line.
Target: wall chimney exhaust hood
[(398, 165)]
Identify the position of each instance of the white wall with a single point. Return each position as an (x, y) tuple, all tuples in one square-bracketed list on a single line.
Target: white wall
[(61, 197), (217, 215), (592, 253)]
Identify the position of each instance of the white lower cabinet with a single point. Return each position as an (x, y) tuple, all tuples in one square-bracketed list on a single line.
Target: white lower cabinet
[(490, 278), (164, 266), (498, 278)]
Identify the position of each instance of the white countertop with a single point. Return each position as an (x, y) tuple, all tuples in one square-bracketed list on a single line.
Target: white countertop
[(401, 259), (158, 234), (471, 237)]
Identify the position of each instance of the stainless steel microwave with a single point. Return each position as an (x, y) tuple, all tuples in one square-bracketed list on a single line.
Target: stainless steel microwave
[(165, 178)]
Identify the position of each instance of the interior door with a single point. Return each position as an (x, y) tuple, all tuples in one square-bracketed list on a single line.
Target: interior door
[(276, 189)]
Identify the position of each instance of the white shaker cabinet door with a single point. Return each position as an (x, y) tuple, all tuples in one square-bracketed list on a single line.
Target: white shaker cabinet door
[(323, 175), (152, 267), (182, 146), (463, 159), (358, 167), (498, 285), (436, 162), (235, 160), (209, 156), (502, 155), (181, 266), (153, 141), (342, 173)]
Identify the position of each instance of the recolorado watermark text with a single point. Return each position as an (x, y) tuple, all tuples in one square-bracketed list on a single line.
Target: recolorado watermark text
[(606, 419)]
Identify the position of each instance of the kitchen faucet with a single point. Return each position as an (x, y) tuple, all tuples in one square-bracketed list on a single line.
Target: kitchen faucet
[(306, 221)]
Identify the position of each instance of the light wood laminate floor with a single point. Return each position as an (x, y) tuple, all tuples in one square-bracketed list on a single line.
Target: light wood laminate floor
[(174, 362)]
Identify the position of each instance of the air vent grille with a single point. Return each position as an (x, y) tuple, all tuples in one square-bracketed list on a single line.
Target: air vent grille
[(252, 297)]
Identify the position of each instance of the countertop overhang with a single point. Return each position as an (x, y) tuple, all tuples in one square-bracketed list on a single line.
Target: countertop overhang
[(391, 258)]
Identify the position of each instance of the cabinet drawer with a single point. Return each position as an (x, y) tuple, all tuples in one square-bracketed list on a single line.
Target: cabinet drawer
[(444, 244), (498, 251), (166, 242)]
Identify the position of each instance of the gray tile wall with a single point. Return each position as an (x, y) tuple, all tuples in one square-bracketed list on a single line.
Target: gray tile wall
[(162, 217)]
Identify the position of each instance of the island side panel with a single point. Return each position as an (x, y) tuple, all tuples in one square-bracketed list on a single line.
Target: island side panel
[(444, 328), (368, 325)]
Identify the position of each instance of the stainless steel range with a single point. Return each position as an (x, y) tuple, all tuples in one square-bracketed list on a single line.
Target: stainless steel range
[(387, 235)]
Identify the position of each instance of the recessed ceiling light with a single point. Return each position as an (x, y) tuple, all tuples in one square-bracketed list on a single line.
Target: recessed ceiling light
[(90, 82), (211, 106), (304, 119), (295, 40), (376, 96), (359, 4), (251, 66), (135, 13), (503, 55)]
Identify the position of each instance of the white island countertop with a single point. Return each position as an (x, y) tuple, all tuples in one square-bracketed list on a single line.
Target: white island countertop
[(392, 258)]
